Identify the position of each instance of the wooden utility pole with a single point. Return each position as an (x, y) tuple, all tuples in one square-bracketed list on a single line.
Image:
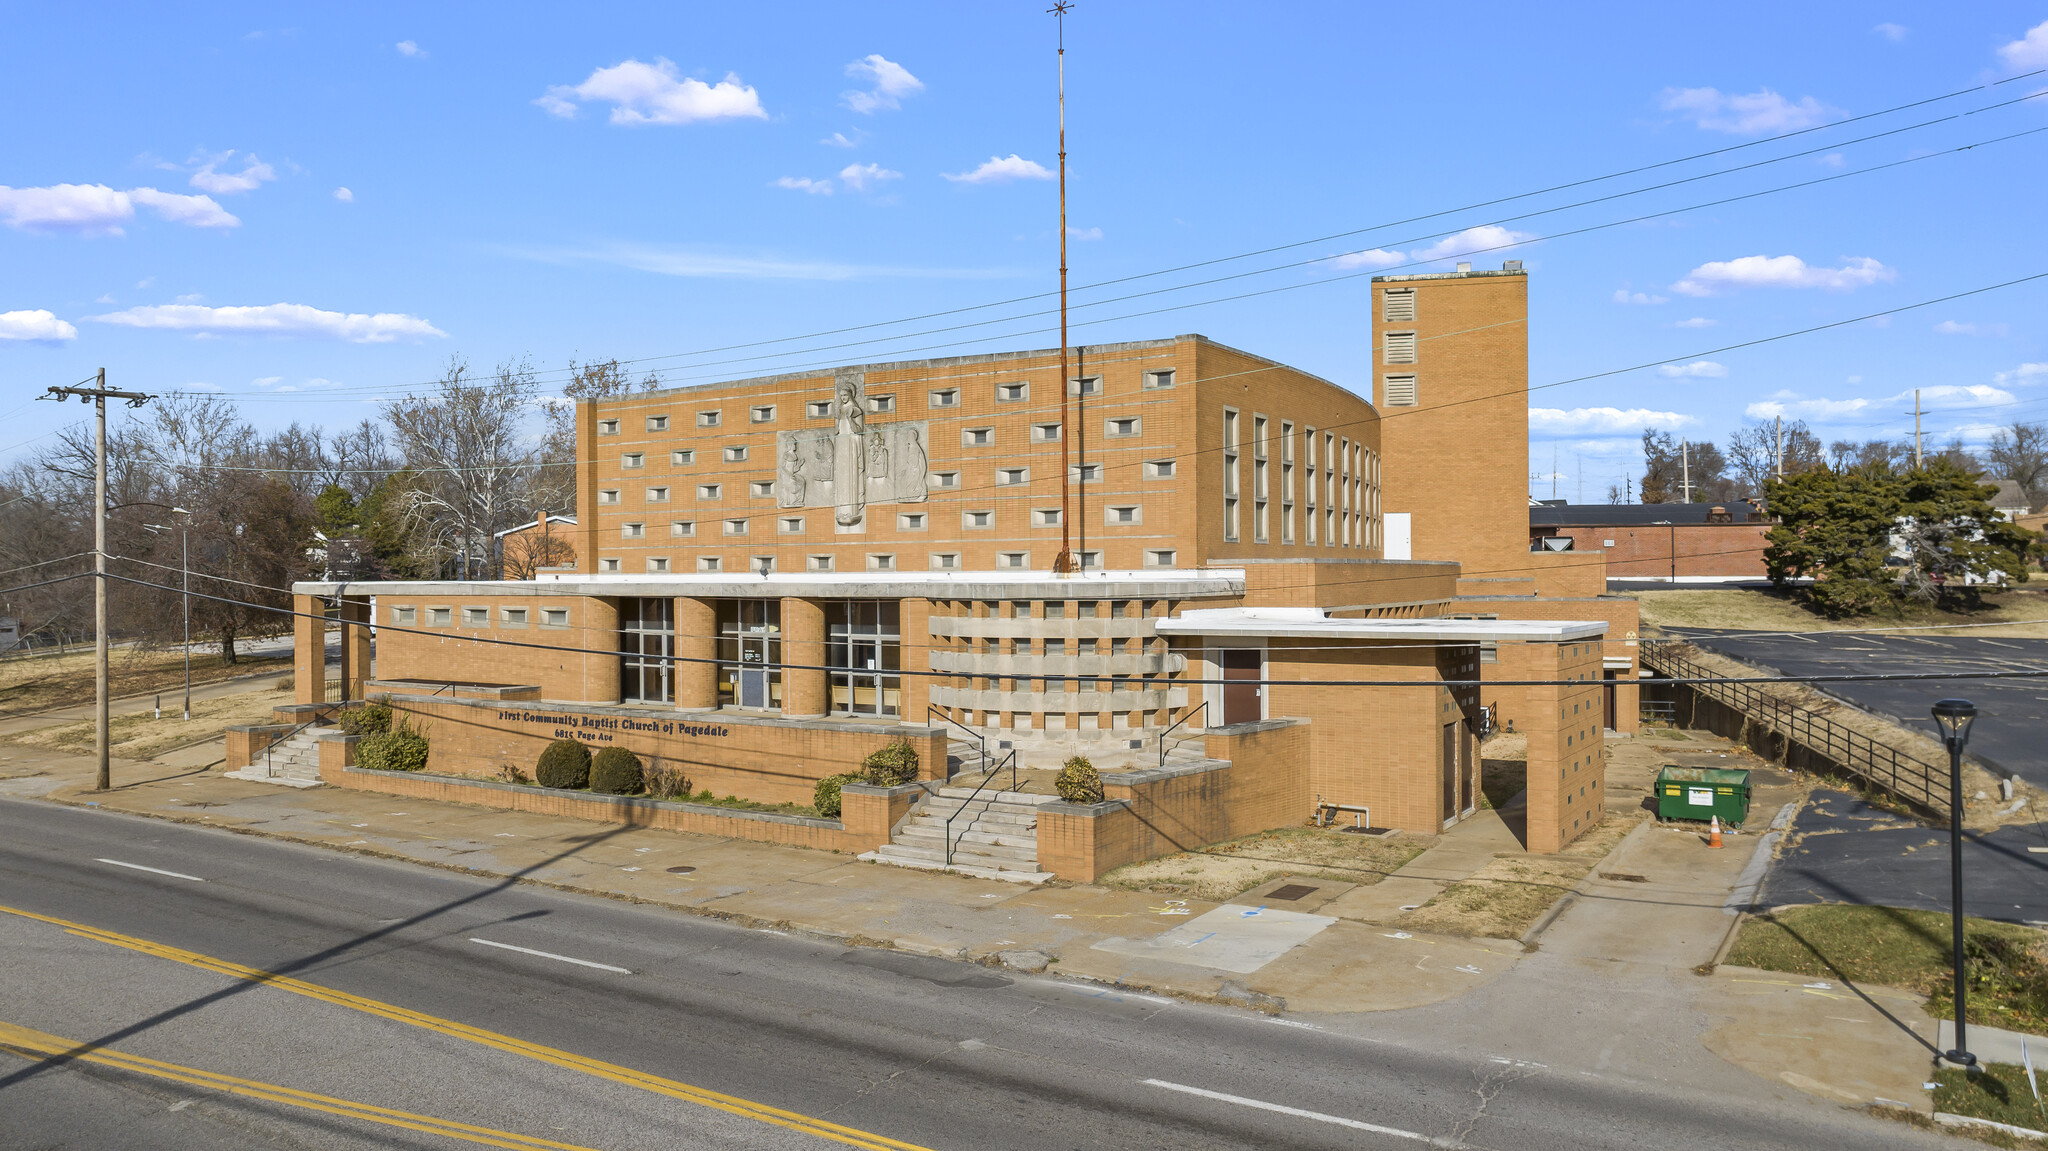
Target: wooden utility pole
[(96, 395), (1685, 468), (1063, 564), (1916, 429), (1778, 445)]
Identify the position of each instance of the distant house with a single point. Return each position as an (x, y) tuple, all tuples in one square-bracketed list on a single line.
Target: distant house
[(547, 542), (2011, 500), (1678, 543)]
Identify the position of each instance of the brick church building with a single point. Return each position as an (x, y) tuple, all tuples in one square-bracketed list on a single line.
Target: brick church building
[(1287, 594)]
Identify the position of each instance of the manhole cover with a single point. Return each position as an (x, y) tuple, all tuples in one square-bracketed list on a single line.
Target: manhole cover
[(680, 870), (1291, 892)]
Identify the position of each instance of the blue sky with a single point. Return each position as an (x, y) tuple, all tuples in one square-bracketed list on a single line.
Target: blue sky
[(518, 181)]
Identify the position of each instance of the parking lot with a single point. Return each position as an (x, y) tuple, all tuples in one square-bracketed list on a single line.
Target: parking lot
[(2011, 733)]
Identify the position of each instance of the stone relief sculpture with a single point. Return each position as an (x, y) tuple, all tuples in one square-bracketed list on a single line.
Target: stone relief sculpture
[(852, 464)]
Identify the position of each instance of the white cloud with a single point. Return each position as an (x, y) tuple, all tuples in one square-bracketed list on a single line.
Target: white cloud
[(1832, 160), (1823, 410), (411, 48), (265, 381), (39, 324), (1781, 272), (97, 210), (250, 178), (1624, 296), (1696, 322), (2028, 52), (344, 195), (1893, 32), (1471, 242), (805, 184), (1373, 258), (276, 320), (1761, 113), (1697, 370), (2024, 374), (1570, 421), (999, 169), (1085, 233), (859, 176), (888, 82), (656, 94), (840, 140), (1952, 328)]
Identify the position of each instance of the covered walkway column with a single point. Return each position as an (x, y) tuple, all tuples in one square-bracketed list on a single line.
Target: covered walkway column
[(600, 635), (803, 657), (354, 612), (309, 649), (696, 676)]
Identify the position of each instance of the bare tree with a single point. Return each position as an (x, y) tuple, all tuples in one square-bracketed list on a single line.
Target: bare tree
[(356, 460), (555, 484), (467, 442), (1756, 452), (2020, 453)]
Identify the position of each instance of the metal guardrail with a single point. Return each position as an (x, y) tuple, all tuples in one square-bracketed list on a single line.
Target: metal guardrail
[(1882, 766), (932, 711), (1201, 709), (994, 771)]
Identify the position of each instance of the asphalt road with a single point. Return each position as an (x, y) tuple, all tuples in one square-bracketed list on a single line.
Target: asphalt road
[(2012, 714), (415, 999)]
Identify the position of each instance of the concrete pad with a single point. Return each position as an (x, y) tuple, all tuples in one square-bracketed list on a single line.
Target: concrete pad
[(1459, 853), (1848, 1043), (1358, 967), (1230, 938)]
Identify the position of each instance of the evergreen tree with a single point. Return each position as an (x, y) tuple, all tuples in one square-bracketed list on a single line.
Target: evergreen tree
[(1835, 528), (1954, 539)]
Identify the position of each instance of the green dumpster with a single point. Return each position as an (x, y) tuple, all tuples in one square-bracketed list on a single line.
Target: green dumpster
[(1703, 792)]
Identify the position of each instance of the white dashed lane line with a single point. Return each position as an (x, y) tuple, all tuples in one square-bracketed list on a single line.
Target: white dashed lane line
[(152, 870), (1279, 1109), (552, 955)]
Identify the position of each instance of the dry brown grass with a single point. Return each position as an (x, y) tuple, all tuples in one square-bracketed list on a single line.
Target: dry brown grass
[(1751, 609), (144, 736), (30, 684), (1507, 896), (1225, 870)]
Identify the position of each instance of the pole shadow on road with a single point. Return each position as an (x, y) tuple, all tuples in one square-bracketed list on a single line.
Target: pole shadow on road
[(314, 960)]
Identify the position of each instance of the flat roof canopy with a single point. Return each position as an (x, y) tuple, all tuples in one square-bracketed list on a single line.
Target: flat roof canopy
[(1312, 623), (1162, 583)]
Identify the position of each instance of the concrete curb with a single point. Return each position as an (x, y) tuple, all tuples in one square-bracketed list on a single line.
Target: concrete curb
[(1584, 884), (1742, 900), (1947, 1120)]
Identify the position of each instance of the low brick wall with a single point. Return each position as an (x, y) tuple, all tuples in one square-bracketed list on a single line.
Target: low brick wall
[(866, 818), (245, 743), (763, 758), (1255, 779)]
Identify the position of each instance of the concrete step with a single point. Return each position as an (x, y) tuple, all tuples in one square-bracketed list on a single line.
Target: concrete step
[(936, 857), (994, 837), (992, 807), (1019, 797), (1033, 877), (965, 846)]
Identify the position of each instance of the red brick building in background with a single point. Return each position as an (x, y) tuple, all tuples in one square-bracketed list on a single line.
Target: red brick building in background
[(1678, 543)]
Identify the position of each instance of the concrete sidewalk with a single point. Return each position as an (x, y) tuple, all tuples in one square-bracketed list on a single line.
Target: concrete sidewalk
[(1269, 960)]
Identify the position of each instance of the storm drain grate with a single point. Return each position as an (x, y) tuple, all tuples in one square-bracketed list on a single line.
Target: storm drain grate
[(1291, 892)]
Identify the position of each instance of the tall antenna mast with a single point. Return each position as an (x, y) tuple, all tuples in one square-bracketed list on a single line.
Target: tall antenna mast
[(1063, 564)]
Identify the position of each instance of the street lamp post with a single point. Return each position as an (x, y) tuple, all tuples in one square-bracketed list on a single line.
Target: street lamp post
[(1954, 717), (185, 574)]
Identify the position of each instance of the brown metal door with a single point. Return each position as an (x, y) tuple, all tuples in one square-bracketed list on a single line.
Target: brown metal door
[(1450, 770), (1242, 670)]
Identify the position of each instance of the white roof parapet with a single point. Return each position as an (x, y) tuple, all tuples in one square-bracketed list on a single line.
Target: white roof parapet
[(1163, 583), (1312, 623)]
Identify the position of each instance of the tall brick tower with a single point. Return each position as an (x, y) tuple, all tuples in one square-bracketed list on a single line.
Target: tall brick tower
[(1451, 381)]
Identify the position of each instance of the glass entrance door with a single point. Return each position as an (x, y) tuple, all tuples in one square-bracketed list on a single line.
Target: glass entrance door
[(864, 638), (750, 653), (647, 645)]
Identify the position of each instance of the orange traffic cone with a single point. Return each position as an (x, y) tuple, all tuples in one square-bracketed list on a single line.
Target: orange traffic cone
[(1714, 832)]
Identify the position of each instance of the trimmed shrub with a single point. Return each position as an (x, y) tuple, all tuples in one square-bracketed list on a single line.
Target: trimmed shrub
[(563, 763), (893, 766), (370, 719), (666, 782), (1079, 782), (400, 749), (616, 771), (826, 796)]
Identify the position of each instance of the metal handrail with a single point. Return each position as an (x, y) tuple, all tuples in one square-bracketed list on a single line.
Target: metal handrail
[(932, 710), (270, 771), (1879, 764), (1200, 709), (957, 812)]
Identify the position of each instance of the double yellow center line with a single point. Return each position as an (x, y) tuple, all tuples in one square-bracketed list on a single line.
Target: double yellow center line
[(702, 1097)]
